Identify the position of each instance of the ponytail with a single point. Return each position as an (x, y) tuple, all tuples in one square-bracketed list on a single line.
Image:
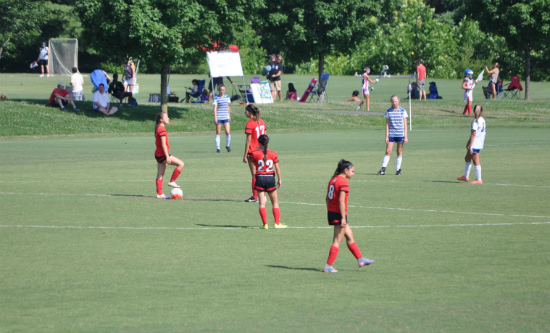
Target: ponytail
[(157, 120), (254, 111), (264, 141), (342, 166), (478, 109)]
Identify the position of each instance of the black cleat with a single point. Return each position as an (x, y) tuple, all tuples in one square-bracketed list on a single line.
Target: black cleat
[(382, 172), (251, 199), (398, 173), (228, 149)]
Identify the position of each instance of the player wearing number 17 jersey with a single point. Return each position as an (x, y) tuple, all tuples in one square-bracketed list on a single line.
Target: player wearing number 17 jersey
[(254, 128), (337, 207)]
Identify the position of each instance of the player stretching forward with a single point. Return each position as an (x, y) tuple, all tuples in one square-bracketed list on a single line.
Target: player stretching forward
[(468, 86), (265, 162), (222, 115), (396, 131), (365, 89), (163, 156), (474, 146), (254, 128), (337, 211)]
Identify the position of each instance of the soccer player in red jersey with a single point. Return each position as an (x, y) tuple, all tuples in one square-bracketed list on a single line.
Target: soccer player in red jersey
[(337, 211), (162, 155), (254, 128), (266, 163)]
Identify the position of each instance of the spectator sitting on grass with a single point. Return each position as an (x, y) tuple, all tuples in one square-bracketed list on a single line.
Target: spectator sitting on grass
[(354, 97), (102, 103), (61, 97), (116, 88)]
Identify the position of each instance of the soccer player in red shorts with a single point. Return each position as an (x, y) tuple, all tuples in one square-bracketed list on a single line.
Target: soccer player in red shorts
[(266, 163), (254, 128), (162, 155), (337, 211)]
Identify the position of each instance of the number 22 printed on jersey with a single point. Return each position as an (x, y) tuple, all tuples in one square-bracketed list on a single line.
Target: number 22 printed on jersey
[(262, 165)]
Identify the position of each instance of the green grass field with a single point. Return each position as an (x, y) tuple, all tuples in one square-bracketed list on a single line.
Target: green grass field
[(85, 246)]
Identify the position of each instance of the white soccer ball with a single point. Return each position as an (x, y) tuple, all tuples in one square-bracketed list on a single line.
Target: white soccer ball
[(176, 194)]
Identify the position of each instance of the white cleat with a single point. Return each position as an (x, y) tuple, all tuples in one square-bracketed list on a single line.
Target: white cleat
[(173, 184), (162, 196)]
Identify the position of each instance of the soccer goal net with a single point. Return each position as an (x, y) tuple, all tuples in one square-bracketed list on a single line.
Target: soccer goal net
[(63, 55)]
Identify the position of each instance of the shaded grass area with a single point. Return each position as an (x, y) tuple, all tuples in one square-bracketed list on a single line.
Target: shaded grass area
[(24, 115)]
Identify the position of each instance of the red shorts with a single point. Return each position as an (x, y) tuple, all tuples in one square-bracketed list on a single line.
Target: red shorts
[(335, 218)]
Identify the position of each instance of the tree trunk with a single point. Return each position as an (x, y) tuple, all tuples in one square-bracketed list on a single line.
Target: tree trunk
[(321, 65), (163, 86), (527, 71)]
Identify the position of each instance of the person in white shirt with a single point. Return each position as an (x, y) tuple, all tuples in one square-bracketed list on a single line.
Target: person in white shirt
[(222, 116), (102, 103), (474, 146), (77, 81), (43, 58)]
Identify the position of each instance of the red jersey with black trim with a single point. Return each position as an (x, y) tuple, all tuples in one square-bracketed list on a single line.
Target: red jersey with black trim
[(265, 167), (161, 131), (255, 129), (336, 185)]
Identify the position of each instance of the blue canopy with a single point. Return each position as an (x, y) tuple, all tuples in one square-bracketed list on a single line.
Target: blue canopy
[(97, 77)]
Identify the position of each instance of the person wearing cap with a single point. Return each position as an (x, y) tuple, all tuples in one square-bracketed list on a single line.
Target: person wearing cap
[(101, 101), (61, 97), (43, 59)]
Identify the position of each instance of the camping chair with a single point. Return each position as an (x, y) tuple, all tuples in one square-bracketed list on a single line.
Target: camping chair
[(196, 98), (488, 91), (320, 93), (246, 91), (514, 88)]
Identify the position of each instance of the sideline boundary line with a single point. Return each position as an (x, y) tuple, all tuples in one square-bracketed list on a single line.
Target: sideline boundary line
[(319, 204), (247, 227)]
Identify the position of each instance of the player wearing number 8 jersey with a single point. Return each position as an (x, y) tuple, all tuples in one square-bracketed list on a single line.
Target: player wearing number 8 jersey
[(254, 128), (266, 163), (337, 213)]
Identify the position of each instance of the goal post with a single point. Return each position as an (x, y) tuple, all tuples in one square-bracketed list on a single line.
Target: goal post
[(63, 55)]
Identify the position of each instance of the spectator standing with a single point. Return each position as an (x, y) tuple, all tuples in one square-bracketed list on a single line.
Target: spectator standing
[(77, 81), (275, 77), (493, 80), (43, 58), (129, 75), (61, 97), (421, 78), (102, 103)]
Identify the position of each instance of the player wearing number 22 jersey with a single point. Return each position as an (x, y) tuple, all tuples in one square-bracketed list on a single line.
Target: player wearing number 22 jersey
[(265, 175)]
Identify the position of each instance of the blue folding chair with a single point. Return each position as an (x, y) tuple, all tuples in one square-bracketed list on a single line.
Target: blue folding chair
[(196, 98), (321, 92)]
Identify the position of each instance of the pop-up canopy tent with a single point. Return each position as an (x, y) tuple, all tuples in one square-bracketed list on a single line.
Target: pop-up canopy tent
[(225, 63)]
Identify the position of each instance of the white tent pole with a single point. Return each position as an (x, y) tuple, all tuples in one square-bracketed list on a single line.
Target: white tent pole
[(410, 107)]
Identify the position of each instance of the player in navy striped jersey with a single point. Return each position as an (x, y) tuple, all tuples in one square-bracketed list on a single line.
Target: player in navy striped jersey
[(396, 132), (222, 116), (474, 146)]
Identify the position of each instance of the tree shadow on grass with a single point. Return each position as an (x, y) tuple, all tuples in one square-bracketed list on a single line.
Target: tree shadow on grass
[(132, 113), (296, 268)]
